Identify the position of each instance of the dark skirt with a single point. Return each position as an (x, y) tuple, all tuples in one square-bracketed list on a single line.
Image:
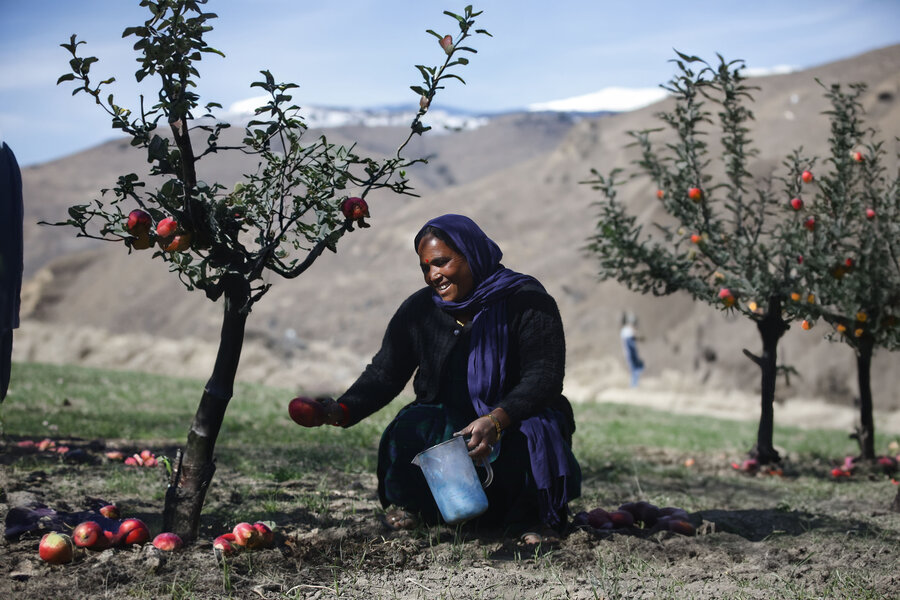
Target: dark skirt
[(513, 505)]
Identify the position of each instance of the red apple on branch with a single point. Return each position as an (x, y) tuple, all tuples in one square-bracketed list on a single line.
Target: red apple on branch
[(166, 227), (447, 44), (695, 194), (138, 223), (796, 203), (354, 208), (806, 176)]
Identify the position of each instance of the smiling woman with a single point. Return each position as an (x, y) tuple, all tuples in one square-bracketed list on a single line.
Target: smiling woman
[(487, 348)]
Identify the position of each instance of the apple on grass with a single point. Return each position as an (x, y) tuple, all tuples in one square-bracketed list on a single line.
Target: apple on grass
[(56, 548)]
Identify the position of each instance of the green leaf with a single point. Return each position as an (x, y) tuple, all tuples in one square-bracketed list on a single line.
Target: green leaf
[(65, 77)]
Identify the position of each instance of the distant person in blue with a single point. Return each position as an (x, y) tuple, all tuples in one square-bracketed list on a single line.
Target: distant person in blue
[(11, 257), (629, 337)]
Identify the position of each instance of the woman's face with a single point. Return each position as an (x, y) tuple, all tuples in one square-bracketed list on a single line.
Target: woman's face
[(446, 270)]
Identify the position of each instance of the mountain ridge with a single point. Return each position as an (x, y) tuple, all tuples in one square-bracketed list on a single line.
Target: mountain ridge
[(520, 178)]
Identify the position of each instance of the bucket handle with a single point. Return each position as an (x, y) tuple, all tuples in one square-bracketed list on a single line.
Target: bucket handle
[(486, 463)]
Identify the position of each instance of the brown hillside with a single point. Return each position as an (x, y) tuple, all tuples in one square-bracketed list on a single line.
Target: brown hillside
[(519, 178)]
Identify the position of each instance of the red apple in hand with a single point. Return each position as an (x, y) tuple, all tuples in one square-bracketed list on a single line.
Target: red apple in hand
[(132, 531), (56, 548), (89, 534), (307, 412), (167, 542)]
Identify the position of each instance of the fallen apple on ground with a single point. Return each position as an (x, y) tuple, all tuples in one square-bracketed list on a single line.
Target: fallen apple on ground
[(265, 533), (224, 545), (167, 542), (89, 534), (56, 548), (245, 535), (132, 531)]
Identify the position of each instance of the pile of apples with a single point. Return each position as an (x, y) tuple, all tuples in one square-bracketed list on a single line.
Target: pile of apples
[(637, 515), (59, 548), (888, 464), (244, 536)]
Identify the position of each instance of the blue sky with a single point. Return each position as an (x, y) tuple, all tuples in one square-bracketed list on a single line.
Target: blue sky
[(358, 53)]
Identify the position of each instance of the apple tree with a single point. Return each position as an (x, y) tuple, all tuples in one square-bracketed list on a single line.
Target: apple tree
[(726, 239), (850, 243), (301, 199)]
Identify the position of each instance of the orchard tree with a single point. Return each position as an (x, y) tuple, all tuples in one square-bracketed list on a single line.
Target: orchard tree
[(850, 244), (301, 199), (726, 241)]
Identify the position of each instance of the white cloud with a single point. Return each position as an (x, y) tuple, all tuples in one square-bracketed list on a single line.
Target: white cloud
[(618, 99)]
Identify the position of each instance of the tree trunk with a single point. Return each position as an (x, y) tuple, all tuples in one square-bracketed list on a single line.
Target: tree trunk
[(865, 433), (771, 327), (194, 466)]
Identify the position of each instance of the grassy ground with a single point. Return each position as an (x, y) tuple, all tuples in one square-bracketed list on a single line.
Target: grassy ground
[(801, 535)]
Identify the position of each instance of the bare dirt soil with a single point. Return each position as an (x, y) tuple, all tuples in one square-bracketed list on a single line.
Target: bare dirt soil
[(330, 541)]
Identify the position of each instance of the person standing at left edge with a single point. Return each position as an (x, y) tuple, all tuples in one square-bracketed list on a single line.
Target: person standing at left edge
[(11, 257)]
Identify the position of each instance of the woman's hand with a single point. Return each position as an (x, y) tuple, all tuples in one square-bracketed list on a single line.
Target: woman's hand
[(484, 434), (333, 413)]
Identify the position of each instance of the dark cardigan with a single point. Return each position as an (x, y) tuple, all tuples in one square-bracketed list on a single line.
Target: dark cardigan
[(421, 336)]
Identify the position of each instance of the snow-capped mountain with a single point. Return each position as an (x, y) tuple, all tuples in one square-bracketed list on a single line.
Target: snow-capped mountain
[(440, 120)]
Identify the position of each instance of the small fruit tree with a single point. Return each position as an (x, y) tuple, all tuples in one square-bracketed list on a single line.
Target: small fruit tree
[(851, 246), (279, 218), (726, 239)]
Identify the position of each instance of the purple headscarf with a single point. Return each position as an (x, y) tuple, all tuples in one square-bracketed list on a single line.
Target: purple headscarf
[(488, 351)]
